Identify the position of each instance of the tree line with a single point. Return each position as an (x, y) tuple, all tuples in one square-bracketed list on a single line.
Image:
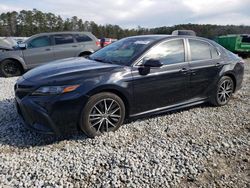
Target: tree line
[(29, 22)]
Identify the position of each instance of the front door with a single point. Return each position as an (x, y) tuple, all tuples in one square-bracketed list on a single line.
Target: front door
[(162, 86), (38, 51)]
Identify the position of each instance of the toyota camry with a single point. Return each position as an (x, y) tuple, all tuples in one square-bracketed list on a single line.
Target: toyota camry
[(133, 77)]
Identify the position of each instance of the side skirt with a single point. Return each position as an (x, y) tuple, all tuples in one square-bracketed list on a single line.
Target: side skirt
[(169, 108)]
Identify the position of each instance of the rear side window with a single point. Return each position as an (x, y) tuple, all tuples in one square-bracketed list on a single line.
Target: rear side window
[(38, 42), (214, 52), (82, 38), (63, 39), (199, 50), (169, 52)]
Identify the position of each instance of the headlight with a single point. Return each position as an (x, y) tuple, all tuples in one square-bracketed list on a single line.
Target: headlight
[(54, 90)]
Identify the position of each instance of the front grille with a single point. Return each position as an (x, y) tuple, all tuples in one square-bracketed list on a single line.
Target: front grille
[(23, 90), (22, 94), (21, 86)]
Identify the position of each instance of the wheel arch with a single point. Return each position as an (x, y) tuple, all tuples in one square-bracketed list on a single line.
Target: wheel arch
[(117, 92), (86, 52), (232, 76)]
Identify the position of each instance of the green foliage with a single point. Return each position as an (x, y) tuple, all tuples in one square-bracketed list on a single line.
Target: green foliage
[(27, 23)]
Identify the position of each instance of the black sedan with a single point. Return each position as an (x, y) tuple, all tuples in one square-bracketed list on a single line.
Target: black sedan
[(130, 78)]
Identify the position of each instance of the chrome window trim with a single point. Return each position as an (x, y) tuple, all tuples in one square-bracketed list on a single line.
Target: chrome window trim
[(202, 40)]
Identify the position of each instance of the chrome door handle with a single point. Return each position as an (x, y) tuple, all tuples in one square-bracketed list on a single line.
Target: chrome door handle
[(47, 49), (192, 72), (183, 70)]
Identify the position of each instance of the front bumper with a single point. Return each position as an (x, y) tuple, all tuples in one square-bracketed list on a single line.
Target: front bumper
[(51, 114)]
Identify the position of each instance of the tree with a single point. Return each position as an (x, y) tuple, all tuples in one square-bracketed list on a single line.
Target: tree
[(30, 22)]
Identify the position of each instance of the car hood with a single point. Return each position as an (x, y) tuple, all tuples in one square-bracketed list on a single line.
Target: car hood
[(68, 70), (7, 48), (7, 44)]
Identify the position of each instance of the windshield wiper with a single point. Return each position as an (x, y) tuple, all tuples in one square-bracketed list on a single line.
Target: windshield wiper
[(106, 61), (99, 60), (118, 62)]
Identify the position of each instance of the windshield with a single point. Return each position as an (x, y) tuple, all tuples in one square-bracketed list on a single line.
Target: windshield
[(123, 51)]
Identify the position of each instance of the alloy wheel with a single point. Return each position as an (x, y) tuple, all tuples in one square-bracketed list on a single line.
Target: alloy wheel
[(225, 91), (10, 68), (105, 115)]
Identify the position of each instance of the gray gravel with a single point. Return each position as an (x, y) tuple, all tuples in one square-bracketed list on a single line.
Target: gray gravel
[(198, 147)]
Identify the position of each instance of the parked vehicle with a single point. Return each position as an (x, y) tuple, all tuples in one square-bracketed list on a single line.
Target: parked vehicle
[(43, 48), (184, 32), (8, 43), (239, 44), (107, 41), (130, 78)]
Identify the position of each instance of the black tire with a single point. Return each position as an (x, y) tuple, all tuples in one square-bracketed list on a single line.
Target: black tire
[(9, 68), (85, 54), (223, 91), (105, 118)]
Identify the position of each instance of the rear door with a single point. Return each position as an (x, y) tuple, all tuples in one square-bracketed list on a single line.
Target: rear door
[(85, 43), (38, 51), (64, 46), (205, 65)]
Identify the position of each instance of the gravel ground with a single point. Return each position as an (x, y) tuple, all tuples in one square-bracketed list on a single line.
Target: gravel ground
[(198, 147)]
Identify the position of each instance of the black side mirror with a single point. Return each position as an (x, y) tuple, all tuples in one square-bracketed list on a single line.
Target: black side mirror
[(152, 63), (144, 69)]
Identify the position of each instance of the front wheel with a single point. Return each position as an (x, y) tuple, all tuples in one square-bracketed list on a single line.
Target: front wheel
[(223, 92), (9, 68), (104, 112), (85, 54)]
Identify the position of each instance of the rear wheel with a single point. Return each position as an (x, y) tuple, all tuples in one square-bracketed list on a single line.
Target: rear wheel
[(9, 68), (104, 112), (223, 91), (85, 54)]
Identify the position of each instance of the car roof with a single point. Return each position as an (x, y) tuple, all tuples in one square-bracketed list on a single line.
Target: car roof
[(163, 37), (62, 32)]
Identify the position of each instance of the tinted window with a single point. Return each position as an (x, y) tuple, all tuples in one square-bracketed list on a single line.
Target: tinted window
[(39, 42), (63, 39), (199, 50), (82, 38), (168, 52)]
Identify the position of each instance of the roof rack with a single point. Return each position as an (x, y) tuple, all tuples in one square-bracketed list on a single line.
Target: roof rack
[(184, 32)]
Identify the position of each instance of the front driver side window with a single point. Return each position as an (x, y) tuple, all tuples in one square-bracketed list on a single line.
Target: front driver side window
[(38, 42), (169, 52)]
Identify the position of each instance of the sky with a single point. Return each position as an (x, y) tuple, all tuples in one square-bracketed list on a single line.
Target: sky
[(144, 13)]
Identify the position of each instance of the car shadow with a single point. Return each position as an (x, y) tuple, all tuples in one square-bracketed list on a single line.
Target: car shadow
[(160, 114), (14, 133)]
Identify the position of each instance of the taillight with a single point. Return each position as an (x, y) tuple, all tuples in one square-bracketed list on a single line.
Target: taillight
[(97, 43)]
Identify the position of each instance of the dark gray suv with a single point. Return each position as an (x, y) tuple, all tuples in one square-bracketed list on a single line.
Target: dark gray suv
[(43, 48)]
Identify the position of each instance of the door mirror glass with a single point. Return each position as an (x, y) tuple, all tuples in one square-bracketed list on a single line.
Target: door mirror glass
[(22, 46), (152, 63)]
